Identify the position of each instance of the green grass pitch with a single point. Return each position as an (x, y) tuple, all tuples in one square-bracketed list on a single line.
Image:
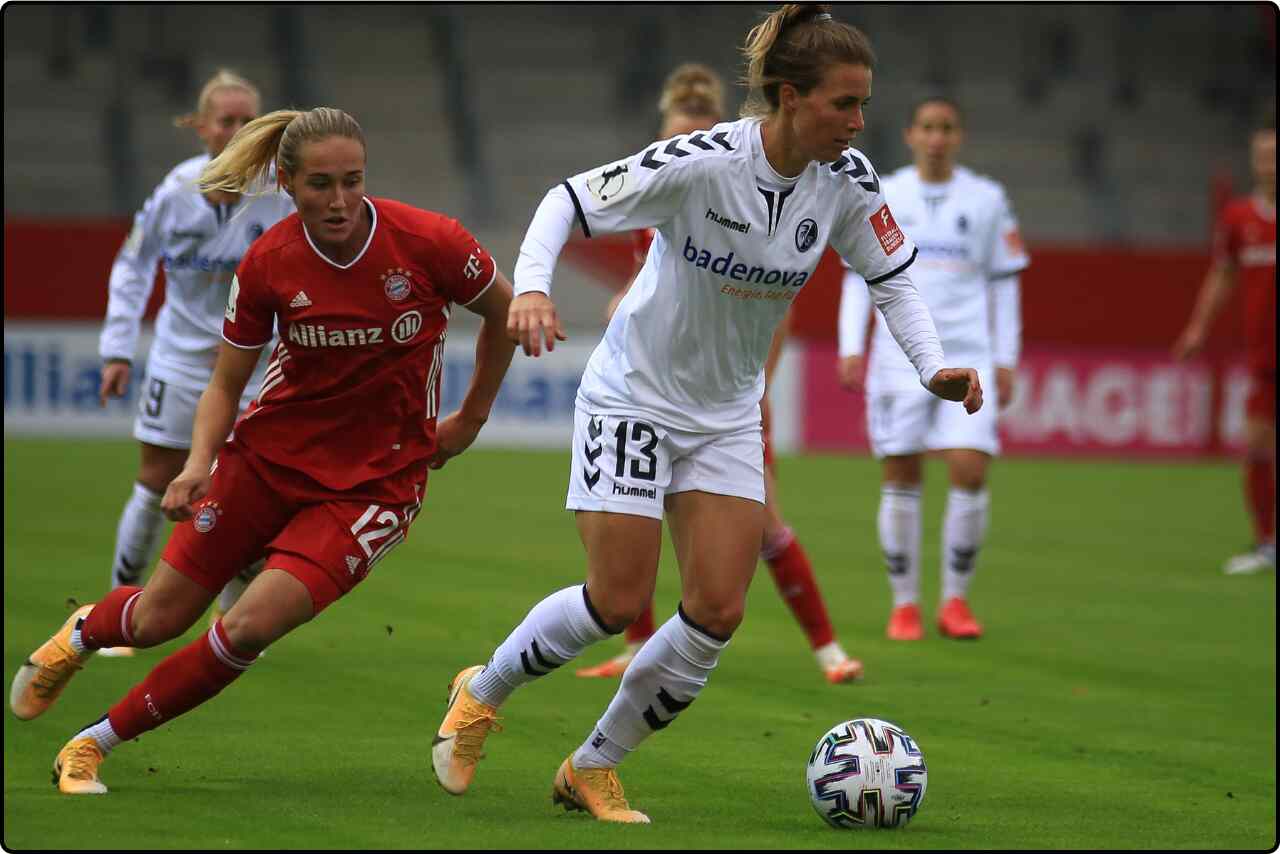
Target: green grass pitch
[(1124, 697)]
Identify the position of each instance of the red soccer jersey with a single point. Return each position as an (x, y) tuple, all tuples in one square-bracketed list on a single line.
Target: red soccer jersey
[(1245, 238), (352, 391)]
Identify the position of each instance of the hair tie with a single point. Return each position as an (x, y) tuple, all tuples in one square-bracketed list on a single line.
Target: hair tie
[(822, 16)]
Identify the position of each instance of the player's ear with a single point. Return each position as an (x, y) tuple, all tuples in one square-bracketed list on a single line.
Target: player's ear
[(282, 178), (788, 96)]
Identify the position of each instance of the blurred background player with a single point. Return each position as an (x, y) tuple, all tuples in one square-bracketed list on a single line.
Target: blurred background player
[(693, 100), (967, 273), (1244, 251), (199, 237), (326, 472), (667, 419)]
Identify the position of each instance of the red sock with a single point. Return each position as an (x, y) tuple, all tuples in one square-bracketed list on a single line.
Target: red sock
[(642, 629), (793, 575), (1260, 493), (108, 622), (184, 680)]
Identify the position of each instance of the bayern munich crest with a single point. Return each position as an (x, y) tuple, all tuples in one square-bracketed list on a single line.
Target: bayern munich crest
[(396, 284), (207, 517)]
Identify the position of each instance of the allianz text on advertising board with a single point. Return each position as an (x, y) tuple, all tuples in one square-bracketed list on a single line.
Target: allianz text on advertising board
[(51, 378), (1086, 403)]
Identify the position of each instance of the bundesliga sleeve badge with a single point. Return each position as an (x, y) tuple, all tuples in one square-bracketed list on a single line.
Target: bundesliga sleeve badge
[(887, 230)]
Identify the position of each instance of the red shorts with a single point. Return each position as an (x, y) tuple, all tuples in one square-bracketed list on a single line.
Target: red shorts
[(327, 540), (768, 454), (1261, 403)]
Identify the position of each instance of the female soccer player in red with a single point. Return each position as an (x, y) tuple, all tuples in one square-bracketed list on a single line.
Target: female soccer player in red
[(692, 100), (1244, 251), (326, 471)]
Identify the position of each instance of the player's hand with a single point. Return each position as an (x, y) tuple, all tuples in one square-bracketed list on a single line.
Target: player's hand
[(453, 436), (958, 384), (531, 319), (850, 372), (184, 491), (1189, 343), (115, 379), (1004, 386)]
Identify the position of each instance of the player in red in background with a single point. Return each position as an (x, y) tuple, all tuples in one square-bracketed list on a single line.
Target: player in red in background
[(692, 100), (326, 471), (1244, 251)]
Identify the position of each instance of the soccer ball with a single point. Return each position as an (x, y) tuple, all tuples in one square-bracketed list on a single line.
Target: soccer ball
[(866, 773)]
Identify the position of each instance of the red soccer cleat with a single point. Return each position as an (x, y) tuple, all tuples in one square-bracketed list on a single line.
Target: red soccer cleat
[(957, 621), (904, 624)]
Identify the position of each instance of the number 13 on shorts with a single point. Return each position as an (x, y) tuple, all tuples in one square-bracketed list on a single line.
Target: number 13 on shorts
[(621, 464)]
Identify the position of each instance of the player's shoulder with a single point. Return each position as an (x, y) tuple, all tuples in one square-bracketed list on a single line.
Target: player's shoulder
[(181, 179), (715, 149), (411, 222), (983, 186), (279, 236)]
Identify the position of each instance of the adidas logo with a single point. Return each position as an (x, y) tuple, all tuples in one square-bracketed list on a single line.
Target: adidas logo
[(300, 301), (352, 563)]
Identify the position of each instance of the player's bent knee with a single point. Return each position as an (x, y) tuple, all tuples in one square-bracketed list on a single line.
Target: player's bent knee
[(619, 609), (720, 620), (253, 630)]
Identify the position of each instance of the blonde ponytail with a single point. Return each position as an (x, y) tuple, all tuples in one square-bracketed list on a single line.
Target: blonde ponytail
[(277, 137), (795, 44)]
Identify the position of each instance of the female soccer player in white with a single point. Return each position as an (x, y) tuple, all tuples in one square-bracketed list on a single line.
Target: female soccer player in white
[(199, 238), (967, 273), (668, 411), (693, 100)]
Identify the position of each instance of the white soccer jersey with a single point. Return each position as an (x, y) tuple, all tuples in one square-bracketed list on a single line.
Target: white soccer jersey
[(200, 245), (969, 249), (734, 243)]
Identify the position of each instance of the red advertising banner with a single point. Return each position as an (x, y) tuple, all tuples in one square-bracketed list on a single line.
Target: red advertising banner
[(1130, 403)]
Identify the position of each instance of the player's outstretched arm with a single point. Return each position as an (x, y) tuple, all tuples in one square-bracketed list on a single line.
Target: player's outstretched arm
[(215, 416), (493, 356)]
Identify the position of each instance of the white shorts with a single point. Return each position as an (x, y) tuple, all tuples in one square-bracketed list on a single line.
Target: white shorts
[(912, 422), (627, 464), (167, 412)]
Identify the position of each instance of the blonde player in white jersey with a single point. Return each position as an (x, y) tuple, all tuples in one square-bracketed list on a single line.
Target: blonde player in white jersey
[(967, 272), (668, 411), (198, 238)]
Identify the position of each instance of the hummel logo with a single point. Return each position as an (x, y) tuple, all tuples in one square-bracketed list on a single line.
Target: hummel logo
[(352, 563), (300, 301)]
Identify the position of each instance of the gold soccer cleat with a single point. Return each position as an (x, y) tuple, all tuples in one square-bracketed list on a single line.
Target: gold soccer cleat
[(47, 671), (596, 791), (75, 771), (456, 748)]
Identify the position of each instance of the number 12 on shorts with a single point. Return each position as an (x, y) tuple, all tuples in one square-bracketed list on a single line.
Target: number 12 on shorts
[(377, 523)]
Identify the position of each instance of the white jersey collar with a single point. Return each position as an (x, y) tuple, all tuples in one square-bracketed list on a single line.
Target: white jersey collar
[(373, 227), (763, 168)]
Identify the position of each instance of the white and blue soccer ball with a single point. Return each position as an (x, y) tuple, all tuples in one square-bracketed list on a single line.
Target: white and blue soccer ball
[(866, 773)]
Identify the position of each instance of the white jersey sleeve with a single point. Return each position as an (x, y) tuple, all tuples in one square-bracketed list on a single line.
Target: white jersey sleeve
[(1007, 259), (873, 246), (132, 279), (855, 308)]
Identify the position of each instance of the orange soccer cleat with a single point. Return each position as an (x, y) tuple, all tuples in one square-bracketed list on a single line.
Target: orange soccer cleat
[(904, 624), (596, 791), (611, 669), (845, 671), (75, 770), (47, 671), (456, 748), (957, 621)]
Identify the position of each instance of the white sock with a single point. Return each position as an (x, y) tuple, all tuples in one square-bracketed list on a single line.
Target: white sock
[(136, 536), (557, 630), (663, 679), (830, 655), (102, 733), (964, 527), (899, 525), (77, 642)]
